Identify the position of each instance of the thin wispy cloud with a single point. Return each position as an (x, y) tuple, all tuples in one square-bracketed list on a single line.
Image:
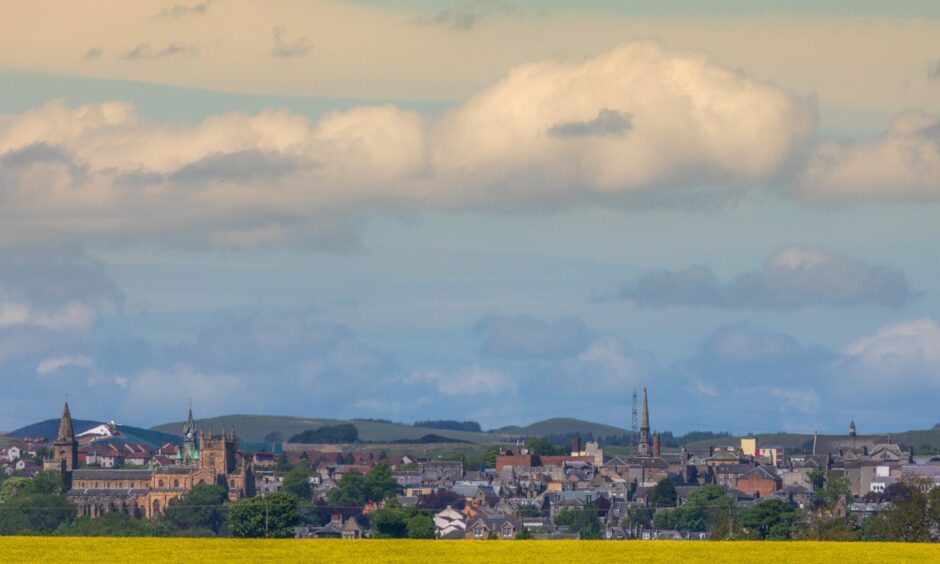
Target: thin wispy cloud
[(178, 11), (286, 48), (934, 71), (93, 54), (794, 277), (145, 52), (466, 16)]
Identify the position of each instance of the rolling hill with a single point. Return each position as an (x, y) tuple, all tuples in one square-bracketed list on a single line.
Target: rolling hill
[(254, 428), (49, 429), (560, 426)]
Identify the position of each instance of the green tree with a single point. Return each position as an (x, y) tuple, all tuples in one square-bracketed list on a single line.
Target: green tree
[(584, 521), (115, 524), (666, 519), (708, 508), (46, 483), (816, 479), (873, 529), (272, 516), (297, 481), (771, 519), (200, 508), (907, 517), (14, 486), (663, 494), (390, 523), (489, 457), (524, 534), (350, 491), (836, 487), (37, 513), (421, 526), (282, 465), (636, 519), (379, 483), (541, 447), (823, 525)]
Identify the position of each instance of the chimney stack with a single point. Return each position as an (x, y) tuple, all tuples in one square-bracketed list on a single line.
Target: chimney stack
[(656, 446)]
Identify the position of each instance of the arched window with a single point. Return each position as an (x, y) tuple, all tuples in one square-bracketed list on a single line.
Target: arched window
[(176, 483), (156, 507), (160, 484)]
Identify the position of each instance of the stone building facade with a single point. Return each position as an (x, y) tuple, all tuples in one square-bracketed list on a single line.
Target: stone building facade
[(205, 458)]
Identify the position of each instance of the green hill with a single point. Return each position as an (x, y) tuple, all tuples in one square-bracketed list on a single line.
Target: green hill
[(254, 428), (561, 426)]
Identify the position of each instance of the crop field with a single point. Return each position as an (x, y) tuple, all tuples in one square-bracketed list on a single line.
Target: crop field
[(137, 550)]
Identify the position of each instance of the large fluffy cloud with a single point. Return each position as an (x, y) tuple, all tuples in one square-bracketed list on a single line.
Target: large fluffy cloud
[(638, 123), (903, 164), (792, 277), (630, 121), (898, 353)]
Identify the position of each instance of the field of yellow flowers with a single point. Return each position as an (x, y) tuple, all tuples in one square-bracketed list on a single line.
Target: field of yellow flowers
[(138, 550)]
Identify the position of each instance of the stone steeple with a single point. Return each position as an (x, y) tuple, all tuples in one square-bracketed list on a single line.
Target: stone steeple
[(645, 445), (65, 448), (852, 428), (66, 433)]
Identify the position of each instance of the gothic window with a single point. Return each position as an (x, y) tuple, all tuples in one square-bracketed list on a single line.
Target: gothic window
[(176, 483), (156, 507), (232, 483), (160, 484)]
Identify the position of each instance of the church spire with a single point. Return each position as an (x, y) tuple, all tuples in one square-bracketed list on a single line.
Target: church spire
[(645, 445), (66, 432)]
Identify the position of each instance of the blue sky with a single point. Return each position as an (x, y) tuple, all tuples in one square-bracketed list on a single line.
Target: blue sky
[(484, 210)]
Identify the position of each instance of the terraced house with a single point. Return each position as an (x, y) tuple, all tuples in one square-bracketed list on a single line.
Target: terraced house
[(205, 458)]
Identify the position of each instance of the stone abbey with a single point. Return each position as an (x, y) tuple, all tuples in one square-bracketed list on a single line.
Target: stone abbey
[(205, 458)]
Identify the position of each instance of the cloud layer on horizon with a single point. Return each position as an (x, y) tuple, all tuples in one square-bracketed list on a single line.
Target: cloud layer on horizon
[(793, 277)]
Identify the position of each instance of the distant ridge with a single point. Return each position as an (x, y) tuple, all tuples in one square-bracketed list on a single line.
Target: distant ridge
[(49, 429), (254, 428), (561, 426)]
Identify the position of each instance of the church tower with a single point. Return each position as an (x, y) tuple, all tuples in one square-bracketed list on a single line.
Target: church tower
[(64, 449), (190, 452), (852, 428), (645, 446)]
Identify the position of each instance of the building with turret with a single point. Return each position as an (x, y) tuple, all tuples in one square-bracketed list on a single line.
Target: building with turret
[(146, 492)]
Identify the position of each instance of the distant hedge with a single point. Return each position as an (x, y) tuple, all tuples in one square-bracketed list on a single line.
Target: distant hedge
[(328, 434)]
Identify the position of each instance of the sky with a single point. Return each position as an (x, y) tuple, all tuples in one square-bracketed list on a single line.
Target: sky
[(493, 210)]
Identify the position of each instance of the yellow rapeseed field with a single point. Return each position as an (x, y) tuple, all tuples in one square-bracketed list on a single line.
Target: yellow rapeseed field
[(204, 551)]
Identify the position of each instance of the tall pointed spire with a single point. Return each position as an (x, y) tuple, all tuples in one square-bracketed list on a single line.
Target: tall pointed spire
[(645, 443), (66, 432)]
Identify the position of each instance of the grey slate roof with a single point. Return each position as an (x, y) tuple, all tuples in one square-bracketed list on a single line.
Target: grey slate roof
[(110, 474)]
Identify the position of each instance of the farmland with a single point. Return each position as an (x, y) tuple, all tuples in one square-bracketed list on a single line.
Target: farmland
[(45, 549)]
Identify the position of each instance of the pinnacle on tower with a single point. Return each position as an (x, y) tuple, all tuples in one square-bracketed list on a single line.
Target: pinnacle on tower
[(66, 432)]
